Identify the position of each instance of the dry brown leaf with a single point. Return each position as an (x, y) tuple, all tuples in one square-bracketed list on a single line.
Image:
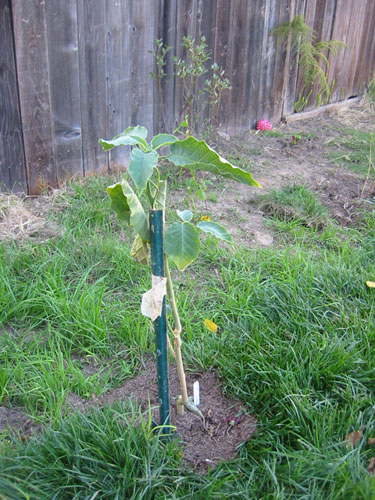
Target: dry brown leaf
[(152, 301), (353, 437), (371, 467), (371, 441)]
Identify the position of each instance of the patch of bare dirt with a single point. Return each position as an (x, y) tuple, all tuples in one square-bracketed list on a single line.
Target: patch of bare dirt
[(204, 443), (299, 153)]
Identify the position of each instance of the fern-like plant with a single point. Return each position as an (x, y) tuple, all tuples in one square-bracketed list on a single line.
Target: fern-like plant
[(312, 57)]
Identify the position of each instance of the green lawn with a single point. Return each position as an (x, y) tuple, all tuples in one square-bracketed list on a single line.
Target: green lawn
[(296, 344)]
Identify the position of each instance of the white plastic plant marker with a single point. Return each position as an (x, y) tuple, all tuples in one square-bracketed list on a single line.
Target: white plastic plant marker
[(196, 393)]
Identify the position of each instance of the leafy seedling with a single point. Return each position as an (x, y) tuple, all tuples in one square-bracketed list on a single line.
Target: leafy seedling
[(143, 190)]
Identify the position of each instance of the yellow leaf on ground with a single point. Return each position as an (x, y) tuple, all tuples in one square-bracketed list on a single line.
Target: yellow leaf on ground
[(210, 325), (370, 284), (206, 218)]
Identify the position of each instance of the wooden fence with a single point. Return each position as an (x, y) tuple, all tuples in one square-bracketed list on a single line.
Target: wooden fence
[(74, 71)]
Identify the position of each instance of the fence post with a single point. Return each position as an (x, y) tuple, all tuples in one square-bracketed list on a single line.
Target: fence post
[(160, 324)]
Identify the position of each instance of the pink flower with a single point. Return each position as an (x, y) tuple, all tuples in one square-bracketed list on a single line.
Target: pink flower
[(264, 125)]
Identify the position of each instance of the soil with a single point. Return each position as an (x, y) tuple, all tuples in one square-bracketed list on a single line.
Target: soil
[(301, 154)]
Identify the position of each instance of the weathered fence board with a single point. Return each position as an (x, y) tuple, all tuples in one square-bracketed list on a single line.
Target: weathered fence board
[(30, 34), (12, 161), (62, 40), (92, 35), (130, 31), (72, 72)]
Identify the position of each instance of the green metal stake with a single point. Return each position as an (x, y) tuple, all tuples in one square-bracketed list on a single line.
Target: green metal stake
[(160, 324)]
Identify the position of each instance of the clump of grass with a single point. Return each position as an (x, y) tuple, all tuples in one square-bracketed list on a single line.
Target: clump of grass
[(295, 203), (107, 453), (359, 146)]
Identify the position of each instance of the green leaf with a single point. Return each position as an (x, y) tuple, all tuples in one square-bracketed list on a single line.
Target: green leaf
[(185, 215), (128, 207), (160, 196), (118, 202), (197, 155), (141, 167), (181, 243), (140, 251), (216, 230), (130, 137), (162, 140)]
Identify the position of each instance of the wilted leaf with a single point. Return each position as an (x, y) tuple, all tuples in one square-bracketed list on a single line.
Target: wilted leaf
[(152, 301), (140, 251), (142, 166), (181, 242), (118, 202), (210, 325), (160, 197), (205, 218), (197, 155), (128, 207), (216, 230), (353, 438), (370, 284), (371, 441)]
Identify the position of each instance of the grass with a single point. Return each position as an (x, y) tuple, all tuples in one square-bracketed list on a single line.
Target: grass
[(295, 342), (355, 151)]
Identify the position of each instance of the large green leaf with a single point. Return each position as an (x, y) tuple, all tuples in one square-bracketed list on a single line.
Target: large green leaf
[(216, 230), (130, 137), (141, 167), (163, 140), (128, 207), (181, 243), (197, 155), (119, 202)]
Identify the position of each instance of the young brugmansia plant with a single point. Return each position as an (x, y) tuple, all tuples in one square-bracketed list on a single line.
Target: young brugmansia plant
[(181, 239)]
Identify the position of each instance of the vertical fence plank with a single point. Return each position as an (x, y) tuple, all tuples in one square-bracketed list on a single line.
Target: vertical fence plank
[(185, 26), (165, 30), (221, 52), (239, 54), (269, 49), (119, 69), (93, 83), (12, 160), (34, 91), (62, 39), (130, 32), (290, 94), (340, 32), (277, 90), (206, 26), (360, 73), (142, 42)]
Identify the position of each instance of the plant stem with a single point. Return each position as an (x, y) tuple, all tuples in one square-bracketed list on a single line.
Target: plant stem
[(177, 337)]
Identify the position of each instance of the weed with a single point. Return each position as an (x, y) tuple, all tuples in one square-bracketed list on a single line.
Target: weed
[(311, 56)]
